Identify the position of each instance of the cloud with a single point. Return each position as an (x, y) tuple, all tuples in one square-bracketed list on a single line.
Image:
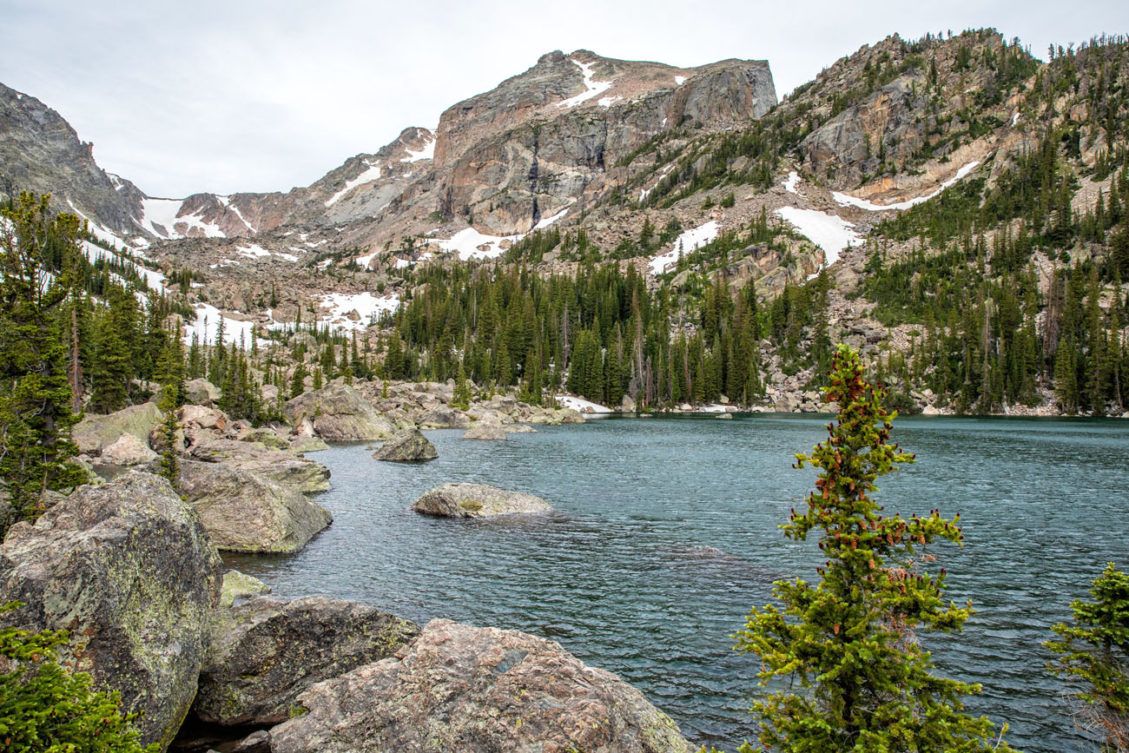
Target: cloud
[(262, 95)]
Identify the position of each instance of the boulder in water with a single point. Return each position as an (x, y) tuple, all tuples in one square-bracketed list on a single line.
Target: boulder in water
[(245, 512), (408, 447), (477, 501)]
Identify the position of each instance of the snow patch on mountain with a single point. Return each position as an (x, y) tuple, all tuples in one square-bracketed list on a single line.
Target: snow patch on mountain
[(592, 88), (355, 311), (252, 251), (581, 405), (469, 244), (684, 244), (427, 152), (791, 182), (547, 221), (161, 216), (371, 173), (205, 327), (832, 234), (847, 200)]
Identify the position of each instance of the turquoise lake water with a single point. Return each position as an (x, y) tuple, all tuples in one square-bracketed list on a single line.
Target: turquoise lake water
[(666, 533)]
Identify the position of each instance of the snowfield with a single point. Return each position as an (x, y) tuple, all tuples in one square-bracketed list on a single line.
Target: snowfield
[(791, 182), (206, 326), (592, 88), (253, 251), (469, 243), (427, 152), (160, 216), (581, 405), (339, 308), (684, 244), (547, 221), (367, 176), (832, 234), (847, 200)]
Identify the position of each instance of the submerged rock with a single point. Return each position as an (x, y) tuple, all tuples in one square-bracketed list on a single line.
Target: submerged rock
[(338, 413), (128, 571), (266, 652), (477, 690), (408, 447), (245, 512), (477, 501)]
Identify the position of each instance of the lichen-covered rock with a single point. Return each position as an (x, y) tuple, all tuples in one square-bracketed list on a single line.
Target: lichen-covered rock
[(478, 501), (340, 414), (408, 447), (128, 571), (201, 392), (444, 418), (302, 445), (127, 450), (245, 512), (284, 467), (266, 652), (477, 690), (237, 585), (264, 436), (95, 432)]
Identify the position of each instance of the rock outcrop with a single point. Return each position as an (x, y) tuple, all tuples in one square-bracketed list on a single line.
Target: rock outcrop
[(266, 652), (127, 450), (128, 571), (245, 512), (408, 447), (340, 414), (478, 501), (96, 432), (477, 690), (284, 467), (485, 431)]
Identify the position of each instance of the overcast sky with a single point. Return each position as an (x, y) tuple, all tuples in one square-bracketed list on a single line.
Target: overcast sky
[(261, 95)]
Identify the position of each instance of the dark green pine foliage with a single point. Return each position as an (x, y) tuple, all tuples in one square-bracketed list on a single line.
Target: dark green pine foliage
[(38, 256), (860, 680), (1093, 656), (44, 707)]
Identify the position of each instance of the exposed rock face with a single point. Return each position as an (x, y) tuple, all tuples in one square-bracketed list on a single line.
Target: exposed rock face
[(128, 571), (96, 432), (409, 447), (478, 690), (266, 652), (40, 152), (128, 450), (340, 414), (245, 512), (477, 501)]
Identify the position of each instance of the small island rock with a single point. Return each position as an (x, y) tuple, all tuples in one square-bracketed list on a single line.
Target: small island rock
[(478, 501)]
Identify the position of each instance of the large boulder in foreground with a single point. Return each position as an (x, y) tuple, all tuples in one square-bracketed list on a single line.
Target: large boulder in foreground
[(478, 501), (246, 512), (128, 571), (477, 690), (408, 447), (340, 414), (95, 432), (266, 652)]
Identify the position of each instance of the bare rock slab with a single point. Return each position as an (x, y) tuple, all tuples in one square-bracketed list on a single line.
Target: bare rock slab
[(478, 501), (477, 690)]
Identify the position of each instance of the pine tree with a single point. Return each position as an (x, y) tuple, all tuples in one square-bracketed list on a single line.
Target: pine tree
[(849, 639), (461, 399), (35, 395), (1093, 655)]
